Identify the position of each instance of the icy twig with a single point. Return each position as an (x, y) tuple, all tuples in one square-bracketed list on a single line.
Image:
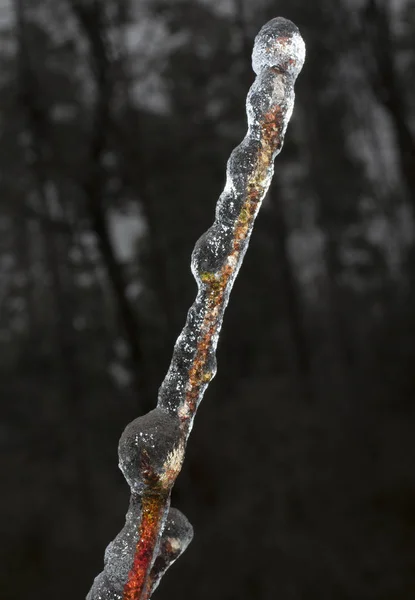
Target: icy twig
[(151, 449)]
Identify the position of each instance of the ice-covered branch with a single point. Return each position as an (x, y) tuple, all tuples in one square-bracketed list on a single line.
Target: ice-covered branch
[(151, 449)]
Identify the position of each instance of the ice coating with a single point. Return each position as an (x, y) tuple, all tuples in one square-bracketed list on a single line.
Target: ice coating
[(279, 44), (150, 452), (118, 559), (277, 58), (151, 449), (177, 535)]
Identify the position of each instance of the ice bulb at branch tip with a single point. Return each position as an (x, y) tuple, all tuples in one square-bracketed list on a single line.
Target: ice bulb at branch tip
[(279, 44)]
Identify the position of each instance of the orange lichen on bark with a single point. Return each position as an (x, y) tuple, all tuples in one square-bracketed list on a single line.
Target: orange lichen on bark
[(153, 511), (152, 516)]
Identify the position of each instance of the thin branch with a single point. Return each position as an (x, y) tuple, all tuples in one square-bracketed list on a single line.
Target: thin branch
[(151, 449)]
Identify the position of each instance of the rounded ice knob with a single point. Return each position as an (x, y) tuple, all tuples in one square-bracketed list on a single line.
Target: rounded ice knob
[(279, 44), (150, 452)]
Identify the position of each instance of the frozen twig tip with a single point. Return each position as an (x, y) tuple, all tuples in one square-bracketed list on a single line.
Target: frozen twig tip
[(151, 449), (279, 44)]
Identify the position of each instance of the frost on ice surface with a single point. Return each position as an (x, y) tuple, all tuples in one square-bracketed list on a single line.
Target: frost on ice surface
[(102, 590), (151, 449), (119, 556), (120, 553)]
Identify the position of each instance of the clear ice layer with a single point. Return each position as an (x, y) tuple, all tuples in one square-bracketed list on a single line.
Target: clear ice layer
[(278, 56), (177, 535)]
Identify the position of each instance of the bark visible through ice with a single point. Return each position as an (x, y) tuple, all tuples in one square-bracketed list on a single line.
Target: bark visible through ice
[(151, 449)]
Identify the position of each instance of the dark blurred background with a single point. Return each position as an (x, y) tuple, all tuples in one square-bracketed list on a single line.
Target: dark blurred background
[(116, 120)]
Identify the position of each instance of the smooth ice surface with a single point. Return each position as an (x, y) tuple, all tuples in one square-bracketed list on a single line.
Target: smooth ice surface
[(211, 250), (146, 446)]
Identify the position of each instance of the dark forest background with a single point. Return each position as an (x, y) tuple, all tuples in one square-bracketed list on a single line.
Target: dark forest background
[(116, 121)]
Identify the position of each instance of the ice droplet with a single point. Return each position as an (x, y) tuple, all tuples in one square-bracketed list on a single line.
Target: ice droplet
[(177, 535), (146, 448), (279, 44), (211, 250)]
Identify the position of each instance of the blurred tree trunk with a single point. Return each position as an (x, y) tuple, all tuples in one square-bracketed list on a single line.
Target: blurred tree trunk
[(291, 291), (325, 319), (56, 250), (378, 40), (23, 249), (91, 18)]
